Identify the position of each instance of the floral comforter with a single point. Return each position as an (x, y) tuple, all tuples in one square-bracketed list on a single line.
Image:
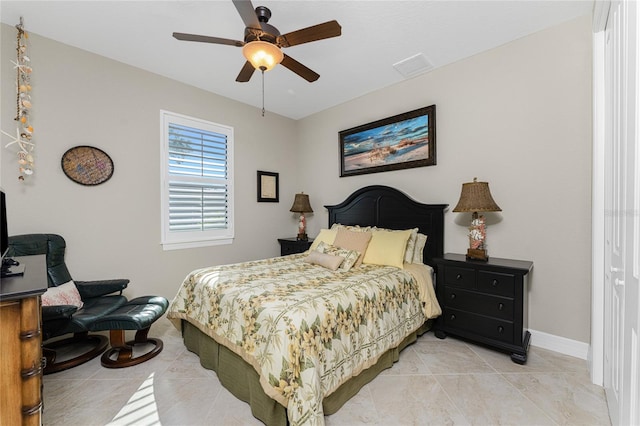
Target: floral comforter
[(304, 328)]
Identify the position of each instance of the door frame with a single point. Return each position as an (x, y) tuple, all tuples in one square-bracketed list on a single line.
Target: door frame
[(596, 355)]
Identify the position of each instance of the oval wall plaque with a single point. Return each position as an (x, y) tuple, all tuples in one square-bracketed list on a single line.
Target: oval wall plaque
[(87, 165)]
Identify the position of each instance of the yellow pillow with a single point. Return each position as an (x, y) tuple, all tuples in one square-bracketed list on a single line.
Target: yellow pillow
[(325, 235), (387, 248)]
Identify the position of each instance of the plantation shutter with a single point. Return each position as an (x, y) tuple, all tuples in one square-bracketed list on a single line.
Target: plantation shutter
[(197, 189), (197, 179)]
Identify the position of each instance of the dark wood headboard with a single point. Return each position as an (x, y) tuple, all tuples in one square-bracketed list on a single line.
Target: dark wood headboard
[(386, 207)]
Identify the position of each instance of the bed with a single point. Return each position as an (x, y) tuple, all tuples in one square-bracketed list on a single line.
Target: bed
[(296, 340)]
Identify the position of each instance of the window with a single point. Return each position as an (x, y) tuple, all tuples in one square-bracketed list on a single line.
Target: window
[(197, 182)]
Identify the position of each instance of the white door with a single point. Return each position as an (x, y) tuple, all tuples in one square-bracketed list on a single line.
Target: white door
[(614, 261), (631, 382), (622, 223)]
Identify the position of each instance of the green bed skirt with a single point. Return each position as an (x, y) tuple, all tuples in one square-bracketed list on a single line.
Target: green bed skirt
[(242, 380)]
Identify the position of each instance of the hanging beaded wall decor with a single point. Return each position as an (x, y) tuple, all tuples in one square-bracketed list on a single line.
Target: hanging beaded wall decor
[(24, 131)]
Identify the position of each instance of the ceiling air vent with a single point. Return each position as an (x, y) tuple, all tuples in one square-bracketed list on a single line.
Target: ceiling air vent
[(413, 65)]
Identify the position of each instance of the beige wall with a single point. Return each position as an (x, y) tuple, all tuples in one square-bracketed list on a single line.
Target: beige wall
[(113, 230), (519, 117)]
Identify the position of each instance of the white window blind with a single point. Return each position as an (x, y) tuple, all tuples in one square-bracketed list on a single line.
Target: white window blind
[(197, 182)]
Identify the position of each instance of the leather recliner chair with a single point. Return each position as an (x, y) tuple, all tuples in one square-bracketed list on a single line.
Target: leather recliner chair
[(97, 296)]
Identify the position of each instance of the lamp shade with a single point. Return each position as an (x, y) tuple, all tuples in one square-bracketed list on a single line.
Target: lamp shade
[(301, 204), (476, 197), (262, 55)]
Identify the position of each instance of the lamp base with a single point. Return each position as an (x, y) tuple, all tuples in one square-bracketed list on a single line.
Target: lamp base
[(477, 254), (302, 237)]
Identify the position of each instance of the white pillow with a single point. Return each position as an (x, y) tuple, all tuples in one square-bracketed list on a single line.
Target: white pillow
[(64, 294)]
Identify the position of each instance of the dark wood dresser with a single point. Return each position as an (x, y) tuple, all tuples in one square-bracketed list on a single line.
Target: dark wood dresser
[(21, 343), (293, 246), (485, 302)]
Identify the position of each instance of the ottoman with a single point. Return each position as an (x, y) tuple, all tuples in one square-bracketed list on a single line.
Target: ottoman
[(137, 314)]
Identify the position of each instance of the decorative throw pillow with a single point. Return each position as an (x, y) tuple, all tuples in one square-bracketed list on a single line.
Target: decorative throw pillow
[(411, 245), (387, 248), (325, 260), (349, 256), (418, 255), (326, 235), (64, 294), (354, 228), (351, 240)]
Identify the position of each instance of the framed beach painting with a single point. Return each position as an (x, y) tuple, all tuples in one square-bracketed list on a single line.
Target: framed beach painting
[(400, 142)]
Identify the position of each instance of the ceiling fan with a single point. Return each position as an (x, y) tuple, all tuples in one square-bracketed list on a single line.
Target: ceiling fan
[(263, 42)]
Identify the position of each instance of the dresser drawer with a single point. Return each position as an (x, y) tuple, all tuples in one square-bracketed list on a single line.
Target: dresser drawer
[(493, 306), (459, 277), (293, 246), (290, 249), (496, 283), (480, 325), (484, 302)]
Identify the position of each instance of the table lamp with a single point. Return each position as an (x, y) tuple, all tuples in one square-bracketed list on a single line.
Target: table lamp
[(301, 205), (475, 197)]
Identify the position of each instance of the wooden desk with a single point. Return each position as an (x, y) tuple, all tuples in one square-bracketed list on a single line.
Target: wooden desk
[(21, 344)]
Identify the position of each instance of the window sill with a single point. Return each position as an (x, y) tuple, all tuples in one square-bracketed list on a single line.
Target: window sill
[(195, 244)]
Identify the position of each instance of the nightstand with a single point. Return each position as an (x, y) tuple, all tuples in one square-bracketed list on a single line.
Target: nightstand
[(485, 302), (293, 246)]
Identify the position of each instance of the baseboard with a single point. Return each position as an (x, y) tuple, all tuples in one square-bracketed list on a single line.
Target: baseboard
[(559, 344)]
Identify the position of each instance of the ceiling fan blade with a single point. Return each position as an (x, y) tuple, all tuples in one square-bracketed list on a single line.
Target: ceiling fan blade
[(316, 32), (247, 13), (299, 69), (245, 73), (207, 39)]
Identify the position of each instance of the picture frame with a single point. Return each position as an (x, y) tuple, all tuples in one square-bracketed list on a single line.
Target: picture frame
[(399, 142), (268, 187)]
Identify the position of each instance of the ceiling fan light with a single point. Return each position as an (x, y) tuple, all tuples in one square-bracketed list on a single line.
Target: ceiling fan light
[(262, 54)]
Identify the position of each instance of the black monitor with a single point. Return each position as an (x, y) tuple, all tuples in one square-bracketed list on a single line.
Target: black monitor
[(4, 236), (8, 267)]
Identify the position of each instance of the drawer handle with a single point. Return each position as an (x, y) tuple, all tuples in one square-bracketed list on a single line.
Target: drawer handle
[(500, 306), (453, 296), (500, 329), (452, 317), (494, 283), (459, 277)]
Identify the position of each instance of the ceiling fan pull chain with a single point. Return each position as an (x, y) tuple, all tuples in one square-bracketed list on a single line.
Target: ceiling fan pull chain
[(262, 69)]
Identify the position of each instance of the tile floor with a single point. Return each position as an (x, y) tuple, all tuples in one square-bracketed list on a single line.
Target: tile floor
[(435, 382)]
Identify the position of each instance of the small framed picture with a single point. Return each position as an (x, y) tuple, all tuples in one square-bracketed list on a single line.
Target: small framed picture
[(268, 187)]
